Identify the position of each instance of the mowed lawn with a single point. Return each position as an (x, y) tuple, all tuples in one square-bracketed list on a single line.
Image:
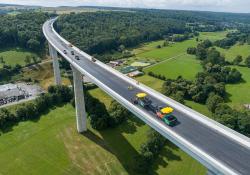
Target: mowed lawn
[(232, 52), (185, 65), (15, 56), (239, 94)]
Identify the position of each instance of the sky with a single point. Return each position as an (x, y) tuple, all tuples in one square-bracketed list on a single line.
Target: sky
[(241, 6)]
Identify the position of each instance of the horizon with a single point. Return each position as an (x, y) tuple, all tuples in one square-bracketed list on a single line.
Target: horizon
[(189, 5)]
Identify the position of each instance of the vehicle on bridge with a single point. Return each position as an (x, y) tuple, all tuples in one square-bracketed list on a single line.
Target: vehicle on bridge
[(164, 113), (64, 51), (77, 57), (142, 100)]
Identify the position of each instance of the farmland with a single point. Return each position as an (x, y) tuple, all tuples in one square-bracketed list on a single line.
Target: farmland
[(184, 65)]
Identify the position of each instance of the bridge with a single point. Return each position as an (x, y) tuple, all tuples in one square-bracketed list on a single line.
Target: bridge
[(220, 149)]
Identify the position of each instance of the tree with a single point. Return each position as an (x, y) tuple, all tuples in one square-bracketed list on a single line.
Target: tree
[(244, 123), (117, 113), (206, 44), (33, 44), (1, 59), (179, 96), (165, 43), (214, 57), (158, 46), (238, 59), (247, 61), (34, 59), (5, 116), (201, 53), (27, 60), (191, 50), (21, 113), (228, 120), (233, 76), (213, 101)]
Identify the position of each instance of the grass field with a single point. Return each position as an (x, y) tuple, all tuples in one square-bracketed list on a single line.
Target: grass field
[(15, 56), (212, 36), (232, 52), (51, 145), (184, 65), (239, 94), (165, 52)]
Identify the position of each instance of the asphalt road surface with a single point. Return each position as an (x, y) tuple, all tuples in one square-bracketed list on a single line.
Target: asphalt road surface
[(224, 149)]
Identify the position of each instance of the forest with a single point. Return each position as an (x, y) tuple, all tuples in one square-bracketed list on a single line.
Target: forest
[(23, 30)]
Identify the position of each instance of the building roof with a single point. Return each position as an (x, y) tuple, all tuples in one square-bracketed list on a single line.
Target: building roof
[(135, 73)]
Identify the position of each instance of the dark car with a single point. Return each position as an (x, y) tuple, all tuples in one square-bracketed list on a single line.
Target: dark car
[(77, 57), (72, 52), (64, 51)]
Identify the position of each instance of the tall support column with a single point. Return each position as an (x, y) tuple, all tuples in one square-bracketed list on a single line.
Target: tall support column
[(81, 116), (54, 56)]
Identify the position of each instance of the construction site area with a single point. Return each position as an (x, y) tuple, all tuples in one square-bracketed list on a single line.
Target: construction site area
[(10, 93)]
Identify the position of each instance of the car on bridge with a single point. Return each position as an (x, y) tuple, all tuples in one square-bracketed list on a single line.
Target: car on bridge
[(142, 100), (164, 113), (77, 57)]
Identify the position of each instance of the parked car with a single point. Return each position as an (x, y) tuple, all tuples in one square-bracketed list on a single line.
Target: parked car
[(72, 52), (64, 51)]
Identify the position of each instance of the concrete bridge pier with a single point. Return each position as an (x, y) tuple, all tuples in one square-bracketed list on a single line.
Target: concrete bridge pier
[(54, 56), (81, 116)]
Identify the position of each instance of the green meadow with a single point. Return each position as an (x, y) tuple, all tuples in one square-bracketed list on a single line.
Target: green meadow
[(15, 56)]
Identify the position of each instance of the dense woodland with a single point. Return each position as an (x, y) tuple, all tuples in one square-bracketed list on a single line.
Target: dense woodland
[(23, 30), (112, 29)]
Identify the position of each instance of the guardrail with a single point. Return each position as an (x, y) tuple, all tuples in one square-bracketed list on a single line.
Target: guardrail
[(210, 162)]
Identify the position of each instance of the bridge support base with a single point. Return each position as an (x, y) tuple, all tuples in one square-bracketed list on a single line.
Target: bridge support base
[(81, 116), (54, 56)]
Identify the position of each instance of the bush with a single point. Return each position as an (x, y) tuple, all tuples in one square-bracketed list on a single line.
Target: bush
[(149, 150), (117, 114), (191, 50), (247, 61), (238, 59), (213, 101)]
